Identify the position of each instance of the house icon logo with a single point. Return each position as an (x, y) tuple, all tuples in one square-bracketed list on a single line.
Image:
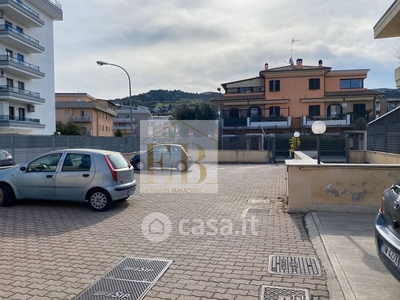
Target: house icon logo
[(156, 227)]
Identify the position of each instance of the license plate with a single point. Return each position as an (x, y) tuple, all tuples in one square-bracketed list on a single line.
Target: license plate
[(391, 254)]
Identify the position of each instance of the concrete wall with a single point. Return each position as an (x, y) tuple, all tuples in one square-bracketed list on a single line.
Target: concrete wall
[(337, 187), (243, 156)]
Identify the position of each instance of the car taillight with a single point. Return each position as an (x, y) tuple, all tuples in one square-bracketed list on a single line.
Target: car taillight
[(112, 170)]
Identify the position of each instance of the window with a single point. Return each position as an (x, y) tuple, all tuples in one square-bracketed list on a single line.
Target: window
[(351, 83), (314, 84), (391, 106), (9, 53), (83, 113), (334, 110), (11, 111), (274, 111), (76, 162), (10, 82), (21, 85), (46, 163), (8, 24), (274, 85), (234, 113), (21, 113), (254, 112), (20, 57), (67, 112), (19, 29), (314, 111)]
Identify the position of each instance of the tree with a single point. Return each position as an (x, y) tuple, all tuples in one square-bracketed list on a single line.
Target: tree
[(360, 124), (195, 111), (69, 128), (118, 132)]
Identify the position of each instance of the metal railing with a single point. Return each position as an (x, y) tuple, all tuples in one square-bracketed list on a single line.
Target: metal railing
[(18, 118), (81, 118), (19, 3), (5, 88), (55, 3), (6, 27), (20, 62)]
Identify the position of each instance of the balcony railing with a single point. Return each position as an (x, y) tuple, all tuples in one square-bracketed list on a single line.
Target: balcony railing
[(28, 9), (5, 88), (55, 3), (341, 120), (18, 118), (19, 62), (256, 122), (81, 118), (17, 32)]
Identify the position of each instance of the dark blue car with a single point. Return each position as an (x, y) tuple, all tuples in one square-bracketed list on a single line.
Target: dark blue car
[(387, 229)]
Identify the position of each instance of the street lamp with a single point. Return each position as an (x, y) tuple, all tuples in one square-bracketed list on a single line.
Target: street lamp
[(102, 63), (318, 128)]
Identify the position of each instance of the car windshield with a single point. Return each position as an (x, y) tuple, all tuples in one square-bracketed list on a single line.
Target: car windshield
[(118, 161)]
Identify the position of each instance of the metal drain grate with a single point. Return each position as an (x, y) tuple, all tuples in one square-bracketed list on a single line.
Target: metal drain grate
[(130, 279), (258, 211), (294, 265), (282, 293)]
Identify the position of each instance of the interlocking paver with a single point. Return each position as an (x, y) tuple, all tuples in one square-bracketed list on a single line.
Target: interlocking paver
[(56, 250)]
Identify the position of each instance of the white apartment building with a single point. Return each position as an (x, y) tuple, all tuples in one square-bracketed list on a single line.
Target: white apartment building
[(27, 87)]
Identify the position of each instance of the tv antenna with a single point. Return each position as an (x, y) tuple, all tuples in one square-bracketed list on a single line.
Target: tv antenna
[(291, 50)]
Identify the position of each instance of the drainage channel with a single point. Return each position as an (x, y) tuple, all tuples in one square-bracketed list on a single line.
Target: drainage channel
[(131, 279), (293, 265), (281, 293)]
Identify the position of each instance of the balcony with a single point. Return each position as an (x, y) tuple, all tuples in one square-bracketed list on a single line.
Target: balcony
[(15, 9), (344, 120), (51, 7), (11, 65), (13, 37), (397, 77), (23, 96), (81, 119), (19, 123), (257, 122), (86, 104)]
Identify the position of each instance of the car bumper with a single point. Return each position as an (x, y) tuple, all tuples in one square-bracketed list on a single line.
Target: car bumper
[(384, 238), (122, 191)]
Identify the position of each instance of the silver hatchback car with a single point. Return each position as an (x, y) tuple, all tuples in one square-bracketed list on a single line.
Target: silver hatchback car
[(97, 176)]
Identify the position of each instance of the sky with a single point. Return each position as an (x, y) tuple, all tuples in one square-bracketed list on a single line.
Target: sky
[(197, 45)]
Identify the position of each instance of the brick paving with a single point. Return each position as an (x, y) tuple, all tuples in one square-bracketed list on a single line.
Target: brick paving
[(54, 250)]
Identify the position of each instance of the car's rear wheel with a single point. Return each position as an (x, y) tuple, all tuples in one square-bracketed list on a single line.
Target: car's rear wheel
[(181, 166), (139, 165), (6, 195), (99, 200)]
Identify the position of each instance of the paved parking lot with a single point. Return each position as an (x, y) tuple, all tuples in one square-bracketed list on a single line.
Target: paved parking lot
[(54, 250)]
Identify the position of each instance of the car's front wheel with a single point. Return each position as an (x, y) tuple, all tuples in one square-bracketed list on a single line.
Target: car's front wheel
[(181, 166), (99, 200), (139, 165), (6, 195)]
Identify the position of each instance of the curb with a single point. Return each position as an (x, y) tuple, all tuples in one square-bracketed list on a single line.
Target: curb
[(337, 283)]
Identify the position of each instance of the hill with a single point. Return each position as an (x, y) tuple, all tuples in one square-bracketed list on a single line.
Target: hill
[(163, 101)]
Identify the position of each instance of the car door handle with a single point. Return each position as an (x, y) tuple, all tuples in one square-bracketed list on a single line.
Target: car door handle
[(49, 176), (85, 175)]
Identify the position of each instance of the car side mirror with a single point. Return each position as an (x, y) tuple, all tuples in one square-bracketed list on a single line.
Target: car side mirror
[(23, 169)]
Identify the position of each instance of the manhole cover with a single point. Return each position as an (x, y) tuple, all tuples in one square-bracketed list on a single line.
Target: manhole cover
[(130, 279), (258, 211), (294, 265), (282, 293)]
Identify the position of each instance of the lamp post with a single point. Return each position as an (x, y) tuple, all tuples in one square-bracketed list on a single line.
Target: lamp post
[(221, 118), (102, 63), (318, 128)]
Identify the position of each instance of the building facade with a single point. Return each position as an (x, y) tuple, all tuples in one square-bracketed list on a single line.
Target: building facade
[(95, 117), (27, 101), (290, 98), (140, 117)]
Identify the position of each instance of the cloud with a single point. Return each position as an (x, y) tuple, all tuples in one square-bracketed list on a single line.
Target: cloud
[(197, 45)]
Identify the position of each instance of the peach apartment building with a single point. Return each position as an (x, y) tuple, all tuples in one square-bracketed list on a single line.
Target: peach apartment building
[(94, 116), (290, 98)]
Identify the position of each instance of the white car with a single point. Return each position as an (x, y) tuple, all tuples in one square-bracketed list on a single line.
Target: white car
[(97, 176)]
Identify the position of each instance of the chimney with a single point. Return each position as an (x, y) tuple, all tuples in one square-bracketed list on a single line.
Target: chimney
[(320, 63), (266, 66), (299, 63)]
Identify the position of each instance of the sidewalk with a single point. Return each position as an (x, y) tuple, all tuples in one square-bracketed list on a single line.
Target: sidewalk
[(346, 246)]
